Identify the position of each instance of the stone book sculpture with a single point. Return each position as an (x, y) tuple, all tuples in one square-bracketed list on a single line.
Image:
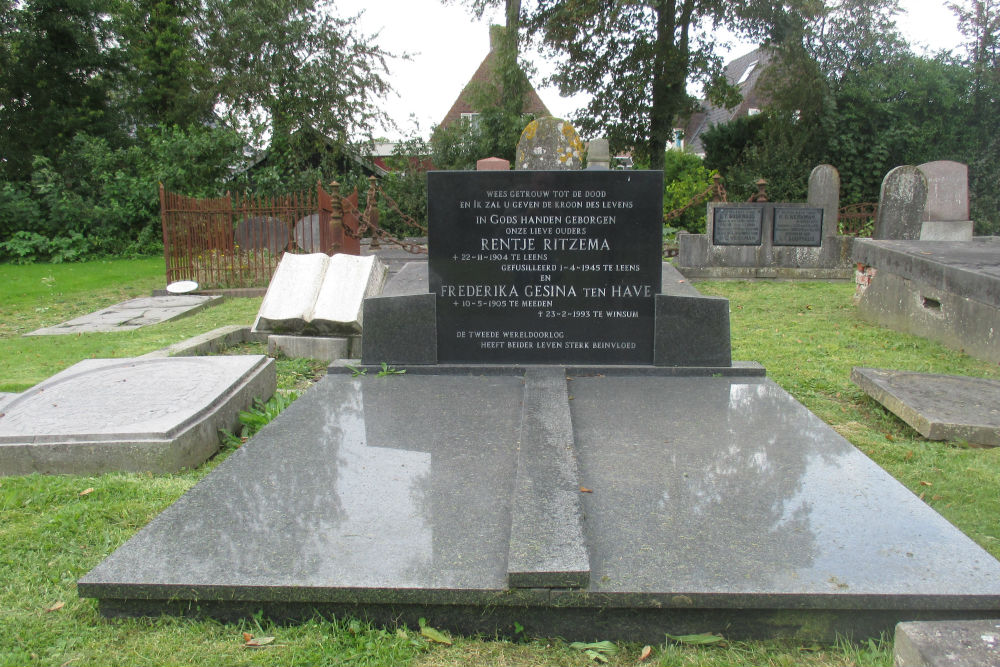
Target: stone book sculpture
[(319, 295)]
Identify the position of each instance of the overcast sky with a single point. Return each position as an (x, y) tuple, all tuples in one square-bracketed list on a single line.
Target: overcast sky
[(447, 44)]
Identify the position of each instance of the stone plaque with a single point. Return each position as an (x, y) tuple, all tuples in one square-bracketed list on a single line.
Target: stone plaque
[(737, 225), (545, 266), (798, 226)]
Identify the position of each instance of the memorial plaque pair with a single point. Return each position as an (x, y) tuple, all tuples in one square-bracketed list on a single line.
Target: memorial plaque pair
[(790, 226)]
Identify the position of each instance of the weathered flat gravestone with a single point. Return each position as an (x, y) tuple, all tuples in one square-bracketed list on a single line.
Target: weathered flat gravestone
[(824, 193), (131, 314), (939, 407), (901, 204), (769, 240), (549, 143), (948, 644), (318, 294), (152, 414)]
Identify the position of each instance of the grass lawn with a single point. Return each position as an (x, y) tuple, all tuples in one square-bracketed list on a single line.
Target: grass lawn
[(55, 529)]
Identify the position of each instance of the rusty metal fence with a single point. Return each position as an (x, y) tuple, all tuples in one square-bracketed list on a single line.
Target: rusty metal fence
[(236, 241), (857, 219)]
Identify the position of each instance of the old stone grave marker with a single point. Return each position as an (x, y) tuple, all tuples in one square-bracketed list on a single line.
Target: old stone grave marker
[(901, 204), (549, 143), (319, 294), (946, 214), (151, 414), (824, 193)]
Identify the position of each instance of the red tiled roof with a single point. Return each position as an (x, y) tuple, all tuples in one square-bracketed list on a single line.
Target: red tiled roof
[(532, 102)]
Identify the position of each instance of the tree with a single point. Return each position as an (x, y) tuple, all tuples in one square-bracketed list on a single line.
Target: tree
[(166, 79), (637, 57), (58, 60), (290, 64), (979, 21)]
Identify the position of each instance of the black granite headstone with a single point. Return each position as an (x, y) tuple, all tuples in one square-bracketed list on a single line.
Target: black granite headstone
[(798, 226), (737, 225), (545, 266)]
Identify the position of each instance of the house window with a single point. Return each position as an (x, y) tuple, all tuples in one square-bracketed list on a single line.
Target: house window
[(473, 119)]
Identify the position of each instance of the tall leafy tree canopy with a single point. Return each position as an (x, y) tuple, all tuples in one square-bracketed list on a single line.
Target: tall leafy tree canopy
[(636, 58), (100, 99)]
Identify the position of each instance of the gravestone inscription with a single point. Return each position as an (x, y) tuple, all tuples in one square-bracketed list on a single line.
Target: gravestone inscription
[(798, 226), (545, 266), (737, 225)]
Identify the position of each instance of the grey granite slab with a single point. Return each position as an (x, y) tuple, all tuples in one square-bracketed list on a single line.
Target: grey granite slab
[(362, 485), (948, 644), (133, 414), (969, 269), (716, 504), (939, 407), (410, 279), (733, 491), (547, 544), (131, 314)]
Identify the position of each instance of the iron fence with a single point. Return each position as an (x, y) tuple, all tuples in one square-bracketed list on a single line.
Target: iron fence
[(237, 240)]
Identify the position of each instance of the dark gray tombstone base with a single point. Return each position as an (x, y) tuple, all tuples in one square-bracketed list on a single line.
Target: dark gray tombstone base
[(547, 620), (691, 331), (400, 330)]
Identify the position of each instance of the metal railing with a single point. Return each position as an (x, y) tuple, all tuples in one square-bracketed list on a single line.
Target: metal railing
[(237, 241)]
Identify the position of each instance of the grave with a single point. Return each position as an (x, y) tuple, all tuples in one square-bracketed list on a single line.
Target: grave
[(643, 485), (901, 203), (929, 202), (948, 291), (549, 143), (946, 213), (160, 415), (131, 314), (313, 304), (939, 407), (954, 644), (771, 240)]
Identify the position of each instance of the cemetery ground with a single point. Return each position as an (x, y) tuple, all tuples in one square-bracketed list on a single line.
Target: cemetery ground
[(54, 529)]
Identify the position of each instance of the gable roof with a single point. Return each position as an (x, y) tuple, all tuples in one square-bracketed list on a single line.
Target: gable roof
[(484, 74), (743, 72)]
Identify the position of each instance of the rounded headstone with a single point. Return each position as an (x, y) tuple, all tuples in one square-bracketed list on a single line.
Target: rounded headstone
[(598, 154), (493, 164), (307, 233), (549, 144), (901, 204), (824, 193), (262, 233)]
